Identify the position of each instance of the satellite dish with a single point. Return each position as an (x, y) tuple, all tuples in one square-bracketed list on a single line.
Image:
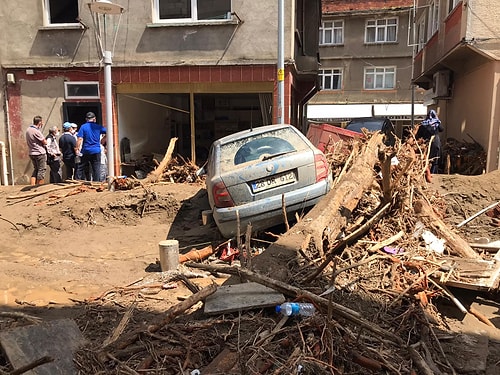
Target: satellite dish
[(105, 7)]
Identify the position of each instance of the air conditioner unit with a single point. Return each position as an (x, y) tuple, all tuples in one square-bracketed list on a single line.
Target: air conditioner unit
[(441, 84)]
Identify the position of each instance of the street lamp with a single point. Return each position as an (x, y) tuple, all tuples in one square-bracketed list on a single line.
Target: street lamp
[(106, 8)]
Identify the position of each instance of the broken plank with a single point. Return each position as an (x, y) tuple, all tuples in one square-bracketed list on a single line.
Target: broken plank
[(245, 296), (473, 274)]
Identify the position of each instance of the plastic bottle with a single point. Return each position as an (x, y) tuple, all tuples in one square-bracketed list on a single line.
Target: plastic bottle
[(296, 308)]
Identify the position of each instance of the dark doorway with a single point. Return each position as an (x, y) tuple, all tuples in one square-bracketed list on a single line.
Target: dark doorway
[(76, 111)]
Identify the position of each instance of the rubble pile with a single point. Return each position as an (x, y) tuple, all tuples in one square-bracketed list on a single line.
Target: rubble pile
[(374, 281), (467, 158), (374, 257)]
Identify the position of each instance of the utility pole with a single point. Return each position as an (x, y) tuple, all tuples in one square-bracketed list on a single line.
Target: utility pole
[(281, 61)]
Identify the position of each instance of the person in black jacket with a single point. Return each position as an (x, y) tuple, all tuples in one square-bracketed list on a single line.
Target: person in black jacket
[(67, 145)]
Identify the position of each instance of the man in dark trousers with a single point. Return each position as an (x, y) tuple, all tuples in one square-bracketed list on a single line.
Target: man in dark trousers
[(89, 144), (54, 155), (38, 154), (67, 145)]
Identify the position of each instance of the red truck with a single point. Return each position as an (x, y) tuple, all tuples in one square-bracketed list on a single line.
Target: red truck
[(328, 138)]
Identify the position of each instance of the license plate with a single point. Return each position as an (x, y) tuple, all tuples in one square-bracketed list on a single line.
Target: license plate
[(273, 181)]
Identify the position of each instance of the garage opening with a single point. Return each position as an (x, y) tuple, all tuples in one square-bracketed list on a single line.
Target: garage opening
[(147, 122)]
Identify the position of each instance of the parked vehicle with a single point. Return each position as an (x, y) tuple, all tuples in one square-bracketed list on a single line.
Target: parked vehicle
[(372, 124), (252, 174), (325, 136)]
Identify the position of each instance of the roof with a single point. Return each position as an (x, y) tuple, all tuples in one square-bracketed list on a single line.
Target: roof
[(342, 6)]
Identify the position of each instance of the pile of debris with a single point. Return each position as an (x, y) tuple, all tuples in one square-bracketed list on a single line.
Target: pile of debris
[(373, 257), (467, 158)]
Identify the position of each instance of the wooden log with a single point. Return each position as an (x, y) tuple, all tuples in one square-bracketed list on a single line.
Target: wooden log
[(325, 220), (38, 192), (155, 175), (456, 244)]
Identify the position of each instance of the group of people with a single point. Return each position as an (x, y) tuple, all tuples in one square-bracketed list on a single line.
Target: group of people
[(78, 154)]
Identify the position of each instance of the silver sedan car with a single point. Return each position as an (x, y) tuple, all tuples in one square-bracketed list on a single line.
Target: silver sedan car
[(251, 175)]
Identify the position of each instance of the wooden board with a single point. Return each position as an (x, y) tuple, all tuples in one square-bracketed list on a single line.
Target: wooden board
[(57, 339), (473, 274), (237, 297)]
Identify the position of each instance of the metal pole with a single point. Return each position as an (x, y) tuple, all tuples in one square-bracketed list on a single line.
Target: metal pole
[(109, 115), (281, 61)]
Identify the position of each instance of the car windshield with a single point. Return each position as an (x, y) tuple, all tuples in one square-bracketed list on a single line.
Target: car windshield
[(255, 147)]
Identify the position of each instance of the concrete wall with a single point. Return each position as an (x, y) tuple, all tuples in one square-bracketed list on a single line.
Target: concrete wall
[(140, 42), (470, 112)]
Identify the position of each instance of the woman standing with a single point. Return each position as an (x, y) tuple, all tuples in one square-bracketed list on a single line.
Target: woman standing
[(429, 130), (54, 155)]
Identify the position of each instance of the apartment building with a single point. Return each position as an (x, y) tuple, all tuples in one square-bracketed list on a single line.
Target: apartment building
[(190, 69), (366, 54), (458, 64)]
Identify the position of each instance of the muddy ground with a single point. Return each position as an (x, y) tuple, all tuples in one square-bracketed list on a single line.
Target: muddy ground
[(71, 244)]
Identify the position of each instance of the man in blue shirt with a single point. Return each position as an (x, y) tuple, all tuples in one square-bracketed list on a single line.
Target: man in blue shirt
[(89, 144)]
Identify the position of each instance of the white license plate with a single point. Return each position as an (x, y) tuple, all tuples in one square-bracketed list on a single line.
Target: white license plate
[(273, 181)]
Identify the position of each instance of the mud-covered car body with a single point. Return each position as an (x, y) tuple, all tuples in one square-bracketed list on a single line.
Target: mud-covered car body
[(251, 175)]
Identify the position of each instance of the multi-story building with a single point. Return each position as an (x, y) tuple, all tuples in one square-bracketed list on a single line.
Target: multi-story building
[(191, 69), (458, 63), (366, 63)]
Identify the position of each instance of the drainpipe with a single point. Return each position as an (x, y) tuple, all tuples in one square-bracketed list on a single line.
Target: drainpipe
[(9, 139), (4, 164)]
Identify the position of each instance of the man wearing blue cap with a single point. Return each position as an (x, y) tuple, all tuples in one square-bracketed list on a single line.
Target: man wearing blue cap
[(67, 145), (89, 144)]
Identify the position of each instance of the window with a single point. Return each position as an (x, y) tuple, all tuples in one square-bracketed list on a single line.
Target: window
[(81, 90), (331, 32), (191, 10), (421, 38), (60, 12), (433, 17), (331, 79), (381, 31), (380, 78), (452, 4)]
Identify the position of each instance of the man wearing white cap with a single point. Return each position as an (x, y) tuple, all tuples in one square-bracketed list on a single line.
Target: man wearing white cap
[(67, 145)]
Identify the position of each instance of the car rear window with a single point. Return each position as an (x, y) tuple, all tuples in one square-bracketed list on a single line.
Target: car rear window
[(255, 147)]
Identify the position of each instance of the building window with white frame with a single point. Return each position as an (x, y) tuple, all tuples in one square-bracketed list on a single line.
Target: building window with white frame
[(331, 33), (384, 30), (191, 10), (380, 78), (421, 37), (60, 12), (331, 79), (433, 17)]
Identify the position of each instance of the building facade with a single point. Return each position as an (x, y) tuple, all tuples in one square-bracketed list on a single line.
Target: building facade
[(184, 68), (458, 64), (366, 63)]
